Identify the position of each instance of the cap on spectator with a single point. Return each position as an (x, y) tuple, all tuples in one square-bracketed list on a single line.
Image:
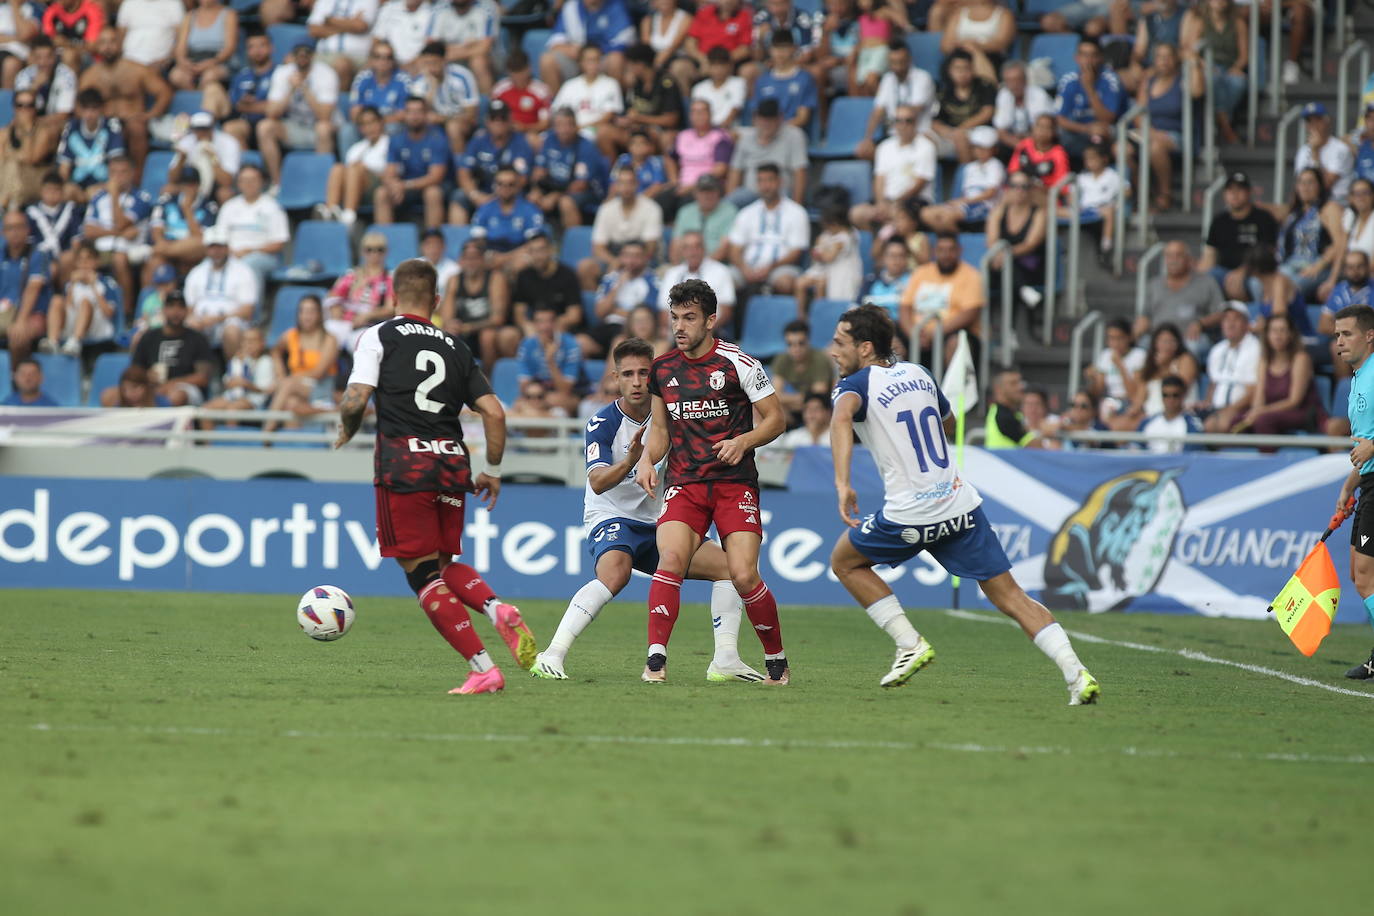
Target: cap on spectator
[(478, 232), (217, 235), (1235, 305), (202, 119), (1314, 110), (983, 136), (165, 273), (498, 110), (186, 175), (1239, 179), (768, 108), (709, 183)]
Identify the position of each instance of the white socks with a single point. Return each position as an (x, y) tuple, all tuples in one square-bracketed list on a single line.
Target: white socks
[(887, 613), (1054, 642), (726, 612), (489, 607), (481, 662), (582, 610)]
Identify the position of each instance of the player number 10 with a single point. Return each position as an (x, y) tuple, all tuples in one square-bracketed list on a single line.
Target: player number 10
[(926, 427)]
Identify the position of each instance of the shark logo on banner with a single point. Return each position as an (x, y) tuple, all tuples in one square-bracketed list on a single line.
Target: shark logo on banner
[(1116, 546)]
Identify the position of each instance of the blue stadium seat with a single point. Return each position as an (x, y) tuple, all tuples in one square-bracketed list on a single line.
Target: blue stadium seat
[(1032, 10), (589, 308), (61, 378), (844, 127), (1339, 400), (810, 6), (304, 177), (455, 237), (764, 319), (926, 53), (402, 242), (318, 240), (594, 370), (186, 102), (1314, 316), (975, 245), (1323, 384), (286, 36), (577, 244), (866, 250), (105, 374), (956, 188), (1060, 50), (6, 107), (4, 374), (854, 175), (284, 308), (824, 315), (509, 19), (155, 170), (532, 43), (505, 380)]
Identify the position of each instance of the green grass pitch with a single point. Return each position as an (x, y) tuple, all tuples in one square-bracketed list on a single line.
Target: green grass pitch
[(166, 753)]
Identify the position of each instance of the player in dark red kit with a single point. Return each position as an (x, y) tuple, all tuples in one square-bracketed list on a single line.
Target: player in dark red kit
[(705, 393), (421, 378)]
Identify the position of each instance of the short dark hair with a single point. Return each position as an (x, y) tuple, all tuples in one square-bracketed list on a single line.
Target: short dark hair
[(414, 281), (783, 37), (872, 324), (769, 167), (717, 55), (433, 232), (958, 54), (40, 41), (90, 97), (949, 236), (640, 54), (632, 346), (369, 109), (26, 361), (898, 44), (824, 399), (544, 308), (797, 326), (433, 47), (1173, 381), (517, 60), (52, 177), (693, 292), (256, 31), (1120, 324), (1363, 315)]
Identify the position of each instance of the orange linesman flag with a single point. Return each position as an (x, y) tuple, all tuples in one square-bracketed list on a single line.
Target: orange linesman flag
[(1307, 604)]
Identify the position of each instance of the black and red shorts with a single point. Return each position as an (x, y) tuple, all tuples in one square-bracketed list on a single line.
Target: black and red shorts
[(732, 504), (411, 525)]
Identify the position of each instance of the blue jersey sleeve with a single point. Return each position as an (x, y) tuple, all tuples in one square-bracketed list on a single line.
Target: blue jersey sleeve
[(529, 357), (808, 96), (854, 384), (601, 432), (1109, 91)]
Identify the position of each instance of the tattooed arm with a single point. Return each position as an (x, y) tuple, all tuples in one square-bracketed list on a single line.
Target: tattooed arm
[(351, 409)]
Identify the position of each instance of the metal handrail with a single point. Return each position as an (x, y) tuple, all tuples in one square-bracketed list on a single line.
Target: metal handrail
[(1252, 85), (1281, 164), (1340, 23), (937, 363), (1142, 280), (1142, 192), (1209, 116), (1343, 80), (1187, 151), (1092, 319), (1208, 196), (1318, 38), (1275, 59), (1052, 248), (985, 269), (1075, 246)]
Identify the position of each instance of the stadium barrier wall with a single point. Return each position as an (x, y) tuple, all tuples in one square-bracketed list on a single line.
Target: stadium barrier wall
[(1190, 533)]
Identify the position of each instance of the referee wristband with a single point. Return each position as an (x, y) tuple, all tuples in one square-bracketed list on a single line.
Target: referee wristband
[(492, 470)]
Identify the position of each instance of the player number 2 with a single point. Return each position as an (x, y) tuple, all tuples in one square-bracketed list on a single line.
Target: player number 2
[(431, 362), (926, 427)]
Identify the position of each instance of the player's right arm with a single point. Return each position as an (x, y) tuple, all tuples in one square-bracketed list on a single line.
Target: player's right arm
[(488, 483), (842, 450), (647, 473)]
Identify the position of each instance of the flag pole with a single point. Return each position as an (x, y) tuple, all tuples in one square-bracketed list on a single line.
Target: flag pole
[(959, 463)]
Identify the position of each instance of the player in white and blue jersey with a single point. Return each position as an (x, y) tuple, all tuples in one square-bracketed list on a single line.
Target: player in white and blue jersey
[(621, 520), (900, 413)]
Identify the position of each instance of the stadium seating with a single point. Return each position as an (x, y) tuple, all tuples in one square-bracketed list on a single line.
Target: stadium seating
[(455, 237), (105, 374), (823, 316), (61, 378), (1323, 386), (844, 128), (764, 319), (6, 107), (594, 369), (402, 242), (1340, 399), (533, 43), (577, 244), (866, 250), (589, 308), (1059, 49), (304, 177), (926, 53), (322, 241), (286, 36), (284, 308), (4, 373), (854, 175), (505, 380), (155, 171), (975, 245), (1032, 10)]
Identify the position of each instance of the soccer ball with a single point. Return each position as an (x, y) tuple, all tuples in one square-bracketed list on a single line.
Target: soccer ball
[(325, 612)]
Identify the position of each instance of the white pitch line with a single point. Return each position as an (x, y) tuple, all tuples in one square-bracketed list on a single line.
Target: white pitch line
[(1191, 654), (687, 741)]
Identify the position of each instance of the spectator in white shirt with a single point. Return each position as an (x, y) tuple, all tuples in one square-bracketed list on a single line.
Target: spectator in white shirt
[(342, 32), (815, 428), (982, 183), (1099, 195), (1018, 104), (1174, 420), (222, 293), (627, 216), (769, 237), (1108, 378), (409, 25), (150, 30), (903, 170), (595, 99), (1232, 368), (302, 104), (695, 265), (903, 84), (723, 91), (213, 153), (257, 224), (473, 39), (1331, 155), (18, 25), (353, 180)]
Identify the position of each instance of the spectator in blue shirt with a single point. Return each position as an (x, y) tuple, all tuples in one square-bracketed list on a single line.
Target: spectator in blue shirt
[(787, 82), (248, 88), (1089, 99), (381, 86), (571, 176), (88, 141), (554, 358), (1363, 141), (179, 223), (620, 292), (508, 222), (1354, 289), (775, 16), (25, 287), (496, 146), (884, 288), (27, 387), (603, 23), (416, 163), (653, 173)]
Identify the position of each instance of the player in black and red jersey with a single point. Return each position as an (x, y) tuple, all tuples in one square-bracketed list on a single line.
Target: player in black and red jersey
[(421, 378), (705, 393)]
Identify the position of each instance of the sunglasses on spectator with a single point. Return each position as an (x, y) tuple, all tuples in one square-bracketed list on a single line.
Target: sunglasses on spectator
[(29, 104), (1086, 405), (383, 56), (508, 184), (1172, 394), (375, 249)]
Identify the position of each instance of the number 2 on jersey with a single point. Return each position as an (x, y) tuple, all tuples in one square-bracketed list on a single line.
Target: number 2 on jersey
[(429, 361), (934, 441)]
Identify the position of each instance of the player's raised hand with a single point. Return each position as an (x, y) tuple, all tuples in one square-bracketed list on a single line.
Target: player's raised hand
[(636, 447), (730, 451), (849, 506), (487, 489)]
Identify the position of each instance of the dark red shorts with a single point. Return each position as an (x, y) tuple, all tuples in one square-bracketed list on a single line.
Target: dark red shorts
[(411, 525), (732, 504)]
